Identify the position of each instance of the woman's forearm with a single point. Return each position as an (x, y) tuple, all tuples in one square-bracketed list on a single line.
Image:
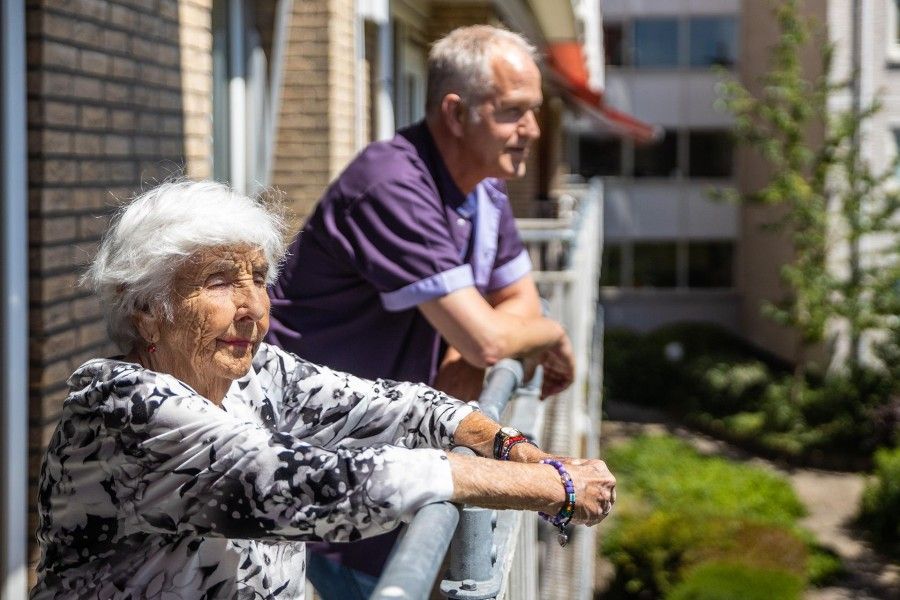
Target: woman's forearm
[(493, 484)]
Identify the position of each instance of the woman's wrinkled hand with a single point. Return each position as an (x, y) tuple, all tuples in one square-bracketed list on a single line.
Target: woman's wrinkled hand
[(595, 490)]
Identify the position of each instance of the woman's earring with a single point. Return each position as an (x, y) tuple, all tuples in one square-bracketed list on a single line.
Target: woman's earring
[(151, 348)]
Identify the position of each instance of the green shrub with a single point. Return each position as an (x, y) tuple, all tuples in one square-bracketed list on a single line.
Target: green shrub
[(678, 509), (880, 510), (664, 472), (837, 420), (730, 581)]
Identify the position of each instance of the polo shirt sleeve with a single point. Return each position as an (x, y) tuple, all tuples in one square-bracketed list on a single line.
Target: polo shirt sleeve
[(512, 261), (397, 237)]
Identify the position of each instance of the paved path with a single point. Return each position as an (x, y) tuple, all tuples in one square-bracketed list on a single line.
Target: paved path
[(831, 499)]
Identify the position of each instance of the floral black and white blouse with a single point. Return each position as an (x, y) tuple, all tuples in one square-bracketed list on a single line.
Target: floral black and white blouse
[(149, 490)]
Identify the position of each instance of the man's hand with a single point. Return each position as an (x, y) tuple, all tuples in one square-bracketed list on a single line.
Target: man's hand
[(458, 378), (559, 367)]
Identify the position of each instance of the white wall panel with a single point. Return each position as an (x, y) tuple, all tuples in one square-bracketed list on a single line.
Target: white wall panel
[(616, 9)]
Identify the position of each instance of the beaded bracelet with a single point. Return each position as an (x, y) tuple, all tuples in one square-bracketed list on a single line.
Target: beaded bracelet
[(565, 514), (512, 442)]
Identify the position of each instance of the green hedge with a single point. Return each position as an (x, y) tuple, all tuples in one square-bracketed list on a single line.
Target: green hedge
[(729, 581), (679, 510), (880, 510), (726, 386)]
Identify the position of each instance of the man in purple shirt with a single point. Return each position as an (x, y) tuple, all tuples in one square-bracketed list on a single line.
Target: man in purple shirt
[(411, 267)]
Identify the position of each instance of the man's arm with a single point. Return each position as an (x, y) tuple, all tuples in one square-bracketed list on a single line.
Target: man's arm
[(482, 334), (459, 378)]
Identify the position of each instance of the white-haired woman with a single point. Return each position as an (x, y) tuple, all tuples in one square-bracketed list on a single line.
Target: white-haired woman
[(196, 464)]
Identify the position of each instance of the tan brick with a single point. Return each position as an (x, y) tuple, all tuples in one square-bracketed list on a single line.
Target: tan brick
[(86, 308), (87, 87), (87, 33), (52, 289), (50, 317), (88, 143), (57, 53), (143, 48), (59, 171), (149, 25), (83, 253), (117, 92), (146, 145), (168, 9), (94, 117), (95, 63), (50, 200), (122, 172), (92, 333), (116, 145), (59, 113), (94, 9), (58, 26), (122, 119), (123, 17), (123, 67), (52, 229), (116, 41), (50, 257), (93, 171), (95, 199), (53, 374), (55, 84), (55, 346)]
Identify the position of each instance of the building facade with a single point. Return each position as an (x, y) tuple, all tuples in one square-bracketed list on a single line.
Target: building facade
[(669, 252)]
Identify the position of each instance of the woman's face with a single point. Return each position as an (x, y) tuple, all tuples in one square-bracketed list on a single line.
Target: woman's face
[(221, 313)]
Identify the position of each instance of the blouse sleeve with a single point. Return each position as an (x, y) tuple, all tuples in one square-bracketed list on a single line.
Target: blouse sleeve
[(337, 410), (181, 464)]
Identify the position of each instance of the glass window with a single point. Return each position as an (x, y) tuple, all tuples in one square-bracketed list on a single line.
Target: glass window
[(713, 41), (599, 156), (659, 159), (613, 43), (656, 43), (896, 135), (655, 264), (711, 264), (611, 267), (710, 154)]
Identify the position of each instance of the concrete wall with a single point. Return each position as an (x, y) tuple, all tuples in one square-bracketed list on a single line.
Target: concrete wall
[(761, 253)]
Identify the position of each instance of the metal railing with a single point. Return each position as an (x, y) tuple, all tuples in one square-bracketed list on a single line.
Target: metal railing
[(495, 554)]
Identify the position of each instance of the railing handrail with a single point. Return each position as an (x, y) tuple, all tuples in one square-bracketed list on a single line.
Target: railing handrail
[(413, 564)]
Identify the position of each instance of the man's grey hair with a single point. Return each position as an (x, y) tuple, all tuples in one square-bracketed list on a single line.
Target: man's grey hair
[(152, 235), (460, 63)]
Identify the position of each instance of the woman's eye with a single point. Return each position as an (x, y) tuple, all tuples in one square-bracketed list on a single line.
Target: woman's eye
[(259, 278), (215, 281)]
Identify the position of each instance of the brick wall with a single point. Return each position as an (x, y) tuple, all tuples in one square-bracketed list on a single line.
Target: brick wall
[(109, 109), (316, 134)]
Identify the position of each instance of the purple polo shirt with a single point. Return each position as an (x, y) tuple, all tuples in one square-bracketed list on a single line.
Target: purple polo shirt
[(391, 232)]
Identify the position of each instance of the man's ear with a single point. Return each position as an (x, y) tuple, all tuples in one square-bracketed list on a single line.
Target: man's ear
[(147, 324), (454, 114)]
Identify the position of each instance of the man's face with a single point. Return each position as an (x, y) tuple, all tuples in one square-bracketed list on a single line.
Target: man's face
[(499, 141)]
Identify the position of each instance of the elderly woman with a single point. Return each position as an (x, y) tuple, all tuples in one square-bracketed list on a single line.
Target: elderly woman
[(195, 465)]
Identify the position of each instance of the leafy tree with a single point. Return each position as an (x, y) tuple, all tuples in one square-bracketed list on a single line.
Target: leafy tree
[(829, 198)]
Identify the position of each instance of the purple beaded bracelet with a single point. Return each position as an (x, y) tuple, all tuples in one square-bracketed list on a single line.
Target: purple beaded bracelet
[(565, 514)]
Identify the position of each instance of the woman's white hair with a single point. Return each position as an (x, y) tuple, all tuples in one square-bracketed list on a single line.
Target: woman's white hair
[(151, 236), (460, 63)]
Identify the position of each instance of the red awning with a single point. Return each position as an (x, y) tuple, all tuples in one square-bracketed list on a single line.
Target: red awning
[(567, 60)]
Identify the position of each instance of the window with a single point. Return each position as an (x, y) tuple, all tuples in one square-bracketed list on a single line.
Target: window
[(713, 41), (599, 156), (659, 159), (893, 31), (656, 43), (611, 266), (655, 264), (711, 264), (895, 133), (613, 44), (669, 43), (710, 154), (243, 92)]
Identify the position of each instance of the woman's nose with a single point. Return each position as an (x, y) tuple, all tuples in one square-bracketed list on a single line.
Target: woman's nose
[(253, 302)]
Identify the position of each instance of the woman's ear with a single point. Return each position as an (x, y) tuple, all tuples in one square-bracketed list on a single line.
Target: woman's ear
[(454, 114), (147, 324)]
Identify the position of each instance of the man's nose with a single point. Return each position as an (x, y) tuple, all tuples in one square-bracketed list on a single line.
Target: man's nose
[(528, 126)]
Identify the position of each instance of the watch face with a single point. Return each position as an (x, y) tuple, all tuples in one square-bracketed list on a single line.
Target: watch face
[(509, 431)]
